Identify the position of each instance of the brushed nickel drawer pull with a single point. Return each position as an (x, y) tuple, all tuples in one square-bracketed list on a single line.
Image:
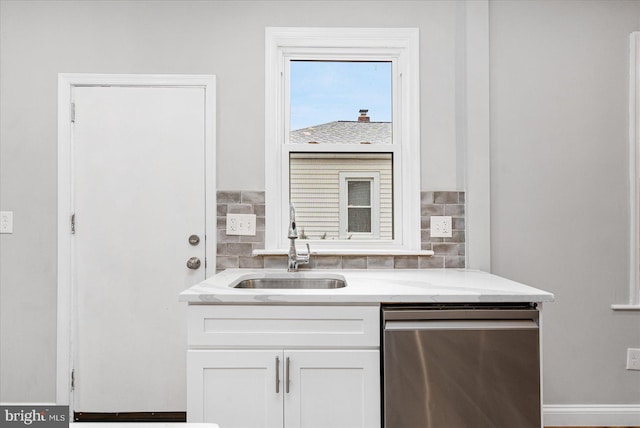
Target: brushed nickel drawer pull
[(286, 377), (277, 375)]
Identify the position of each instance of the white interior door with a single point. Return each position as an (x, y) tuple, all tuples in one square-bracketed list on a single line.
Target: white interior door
[(138, 195)]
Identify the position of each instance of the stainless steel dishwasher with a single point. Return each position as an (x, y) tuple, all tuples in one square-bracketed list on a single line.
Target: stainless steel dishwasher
[(461, 366)]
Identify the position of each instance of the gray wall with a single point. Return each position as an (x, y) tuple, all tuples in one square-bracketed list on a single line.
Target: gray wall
[(559, 201), (558, 150)]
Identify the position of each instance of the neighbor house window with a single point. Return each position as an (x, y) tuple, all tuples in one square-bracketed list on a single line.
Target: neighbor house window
[(360, 205), (342, 138)]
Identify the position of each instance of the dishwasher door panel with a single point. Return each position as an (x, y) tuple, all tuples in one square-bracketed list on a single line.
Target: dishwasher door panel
[(461, 374)]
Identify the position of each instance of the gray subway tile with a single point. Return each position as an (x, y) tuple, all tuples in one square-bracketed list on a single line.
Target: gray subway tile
[(275, 262), (251, 262), (221, 249), (221, 222), (240, 209), (239, 249), (251, 197), (226, 262), (405, 262), (446, 249), (457, 223), (222, 236), (228, 197), (461, 197), (380, 262), (425, 222), (432, 209), (354, 262), (259, 210), (445, 197), (454, 210), (258, 237), (430, 262), (454, 262), (260, 223), (456, 236), (426, 198), (426, 246), (221, 210), (328, 262)]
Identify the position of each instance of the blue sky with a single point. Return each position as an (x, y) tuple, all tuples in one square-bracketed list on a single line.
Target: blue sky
[(324, 91)]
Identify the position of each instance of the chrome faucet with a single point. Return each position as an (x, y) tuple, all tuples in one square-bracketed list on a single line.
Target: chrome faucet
[(295, 259)]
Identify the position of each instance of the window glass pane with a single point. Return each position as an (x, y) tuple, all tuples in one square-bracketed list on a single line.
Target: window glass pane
[(359, 220), (359, 193), (340, 102), (316, 186)]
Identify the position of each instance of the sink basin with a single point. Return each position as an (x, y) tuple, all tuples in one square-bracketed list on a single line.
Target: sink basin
[(292, 283)]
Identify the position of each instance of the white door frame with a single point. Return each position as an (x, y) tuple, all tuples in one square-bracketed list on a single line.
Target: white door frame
[(66, 293)]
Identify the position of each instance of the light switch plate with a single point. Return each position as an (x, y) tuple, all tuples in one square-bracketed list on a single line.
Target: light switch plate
[(441, 226), (633, 359), (241, 224), (6, 221)]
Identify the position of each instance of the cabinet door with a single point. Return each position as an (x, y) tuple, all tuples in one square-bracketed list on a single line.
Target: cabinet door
[(332, 389), (235, 388)]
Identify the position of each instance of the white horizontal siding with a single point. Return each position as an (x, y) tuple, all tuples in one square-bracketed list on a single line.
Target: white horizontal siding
[(315, 189)]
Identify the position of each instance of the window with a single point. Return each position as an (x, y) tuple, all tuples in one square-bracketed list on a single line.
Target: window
[(342, 138), (360, 205)]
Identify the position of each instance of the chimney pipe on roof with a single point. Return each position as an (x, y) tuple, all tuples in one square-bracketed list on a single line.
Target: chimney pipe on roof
[(363, 116)]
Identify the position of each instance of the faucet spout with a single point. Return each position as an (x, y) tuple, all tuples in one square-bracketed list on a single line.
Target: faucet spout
[(293, 230), (295, 259)]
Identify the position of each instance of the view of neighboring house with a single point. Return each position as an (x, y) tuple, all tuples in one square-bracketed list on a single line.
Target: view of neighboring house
[(341, 195)]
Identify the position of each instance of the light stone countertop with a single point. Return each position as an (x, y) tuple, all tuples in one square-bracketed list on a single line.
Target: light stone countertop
[(372, 286)]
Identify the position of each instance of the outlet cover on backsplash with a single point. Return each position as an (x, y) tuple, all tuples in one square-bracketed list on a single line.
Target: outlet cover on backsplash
[(241, 224)]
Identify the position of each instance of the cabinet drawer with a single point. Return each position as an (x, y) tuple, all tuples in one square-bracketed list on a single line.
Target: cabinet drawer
[(283, 326)]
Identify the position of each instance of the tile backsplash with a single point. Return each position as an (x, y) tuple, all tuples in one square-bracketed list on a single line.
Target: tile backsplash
[(236, 251)]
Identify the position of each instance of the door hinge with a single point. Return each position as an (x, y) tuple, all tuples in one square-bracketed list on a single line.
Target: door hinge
[(73, 223), (72, 112), (73, 379)]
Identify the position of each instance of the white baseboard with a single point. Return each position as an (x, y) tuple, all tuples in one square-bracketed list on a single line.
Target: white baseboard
[(612, 415)]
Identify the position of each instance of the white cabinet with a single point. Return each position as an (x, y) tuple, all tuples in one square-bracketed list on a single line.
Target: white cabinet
[(332, 389), (248, 388), (233, 388), (275, 366)]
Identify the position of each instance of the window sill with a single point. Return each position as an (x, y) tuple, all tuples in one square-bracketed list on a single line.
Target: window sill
[(340, 252), (628, 307)]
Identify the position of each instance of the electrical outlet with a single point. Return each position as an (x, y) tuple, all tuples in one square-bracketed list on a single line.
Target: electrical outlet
[(441, 226), (6, 221), (241, 224), (633, 359)]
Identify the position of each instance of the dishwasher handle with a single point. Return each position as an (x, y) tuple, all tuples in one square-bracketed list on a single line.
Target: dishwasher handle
[(461, 324)]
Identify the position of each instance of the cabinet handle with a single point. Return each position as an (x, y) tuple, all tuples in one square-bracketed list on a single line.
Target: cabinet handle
[(277, 375), (286, 377)]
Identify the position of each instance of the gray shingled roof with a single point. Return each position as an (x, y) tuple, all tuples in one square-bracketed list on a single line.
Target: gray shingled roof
[(344, 132)]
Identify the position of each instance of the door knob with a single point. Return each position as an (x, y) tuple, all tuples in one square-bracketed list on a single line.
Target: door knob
[(193, 263)]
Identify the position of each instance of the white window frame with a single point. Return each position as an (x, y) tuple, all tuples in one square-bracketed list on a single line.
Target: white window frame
[(372, 177), (634, 176), (398, 45)]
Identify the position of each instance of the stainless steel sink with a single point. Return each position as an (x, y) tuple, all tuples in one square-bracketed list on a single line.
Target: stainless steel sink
[(292, 283)]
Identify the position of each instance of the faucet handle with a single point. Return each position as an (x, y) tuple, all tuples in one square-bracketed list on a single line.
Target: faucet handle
[(304, 258)]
